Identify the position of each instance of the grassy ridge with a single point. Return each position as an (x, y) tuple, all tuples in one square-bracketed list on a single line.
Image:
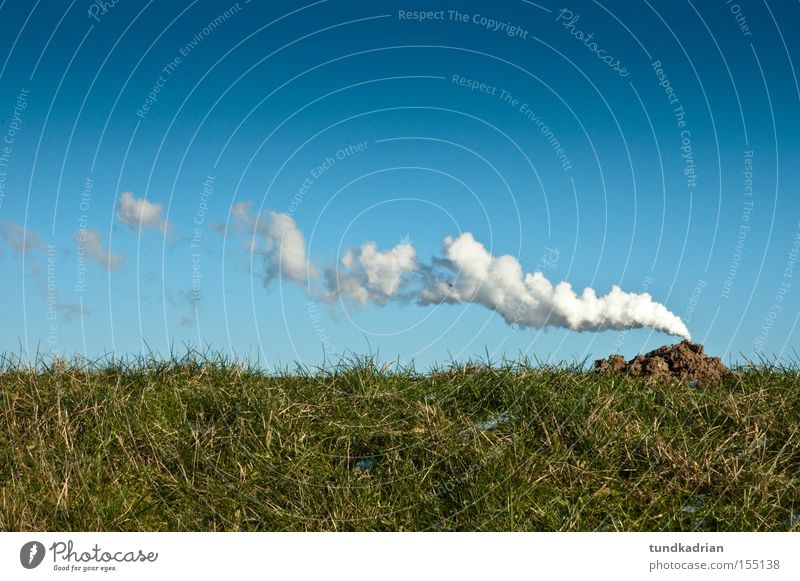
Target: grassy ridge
[(194, 444)]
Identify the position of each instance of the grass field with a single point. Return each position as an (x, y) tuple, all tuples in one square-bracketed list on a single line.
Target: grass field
[(199, 444)]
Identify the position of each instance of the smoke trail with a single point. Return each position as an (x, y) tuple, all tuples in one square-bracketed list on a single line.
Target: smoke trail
[(467, 273), (530, 300)]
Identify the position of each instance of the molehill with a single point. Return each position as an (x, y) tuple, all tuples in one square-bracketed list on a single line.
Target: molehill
[(685, 361)]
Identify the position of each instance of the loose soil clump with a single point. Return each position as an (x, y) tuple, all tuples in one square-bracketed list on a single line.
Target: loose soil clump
[(685, 361)]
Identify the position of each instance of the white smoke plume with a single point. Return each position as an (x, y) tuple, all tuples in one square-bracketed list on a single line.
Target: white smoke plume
[(139, 213), (467, 273), (369, 275), (277, 238), (530, 300)]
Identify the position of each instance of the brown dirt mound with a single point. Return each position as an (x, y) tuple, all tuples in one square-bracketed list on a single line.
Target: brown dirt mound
[(685, 361)]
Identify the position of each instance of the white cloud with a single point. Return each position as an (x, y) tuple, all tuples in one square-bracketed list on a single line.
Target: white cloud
[(91, 243), (139, 213), (20, 239)]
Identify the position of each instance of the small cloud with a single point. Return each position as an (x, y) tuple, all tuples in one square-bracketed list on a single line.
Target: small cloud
[(20, 239), (91, 243), (191, 301), (218, 228), (139, 213), (241, 212), (71, 310)]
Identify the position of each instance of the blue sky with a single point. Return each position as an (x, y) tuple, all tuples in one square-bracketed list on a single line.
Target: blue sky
[(649, 145)]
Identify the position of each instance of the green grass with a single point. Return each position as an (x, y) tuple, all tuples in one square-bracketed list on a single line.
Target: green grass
[(206, 444)]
